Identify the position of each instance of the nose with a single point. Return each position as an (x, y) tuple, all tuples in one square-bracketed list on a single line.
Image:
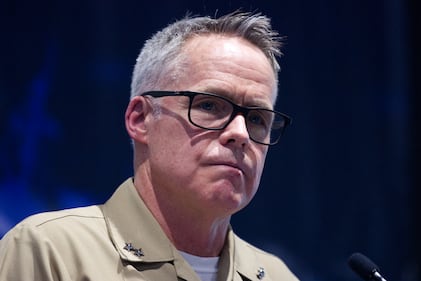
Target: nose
[(236, 132)]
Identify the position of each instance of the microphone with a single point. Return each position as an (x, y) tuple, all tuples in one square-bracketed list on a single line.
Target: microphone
[(364, 267)]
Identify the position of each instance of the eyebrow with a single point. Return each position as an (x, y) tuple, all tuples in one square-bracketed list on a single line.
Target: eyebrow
[(259, 103), (255, 102)]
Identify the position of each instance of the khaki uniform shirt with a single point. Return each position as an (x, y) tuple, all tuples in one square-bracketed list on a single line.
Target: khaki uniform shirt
[(119, 240)]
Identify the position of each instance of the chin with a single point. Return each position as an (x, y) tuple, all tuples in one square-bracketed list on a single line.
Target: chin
[(229, 204)]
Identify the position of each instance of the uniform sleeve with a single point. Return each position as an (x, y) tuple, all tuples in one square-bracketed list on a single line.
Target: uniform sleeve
[(26, 254)]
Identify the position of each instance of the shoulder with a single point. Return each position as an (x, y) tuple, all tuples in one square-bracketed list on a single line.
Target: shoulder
[(57, 225), (72, 217), (60, 243)]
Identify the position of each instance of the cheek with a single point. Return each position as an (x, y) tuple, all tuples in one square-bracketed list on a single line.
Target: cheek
[(171, 144), (259, 162)]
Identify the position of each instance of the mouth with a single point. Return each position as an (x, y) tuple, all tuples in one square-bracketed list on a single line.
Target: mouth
[(232, 165)]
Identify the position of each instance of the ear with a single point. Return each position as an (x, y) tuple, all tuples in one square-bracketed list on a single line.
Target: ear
[(135, 119)]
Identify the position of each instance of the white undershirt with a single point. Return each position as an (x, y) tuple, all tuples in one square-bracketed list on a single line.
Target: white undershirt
[(205, 267)]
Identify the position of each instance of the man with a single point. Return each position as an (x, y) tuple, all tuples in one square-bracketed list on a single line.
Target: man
[(201, 119)]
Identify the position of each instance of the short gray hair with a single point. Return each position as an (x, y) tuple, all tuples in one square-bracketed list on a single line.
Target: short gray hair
[(161, 59)]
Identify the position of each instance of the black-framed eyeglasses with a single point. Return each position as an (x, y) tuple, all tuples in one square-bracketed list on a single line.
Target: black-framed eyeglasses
[(214, 112)]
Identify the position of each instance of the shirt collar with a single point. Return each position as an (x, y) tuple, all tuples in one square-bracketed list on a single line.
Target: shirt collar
[(238, 259), (138, 237), (136, 234)]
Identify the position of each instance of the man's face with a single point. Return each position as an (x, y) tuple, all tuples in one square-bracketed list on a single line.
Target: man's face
[(213, 172)]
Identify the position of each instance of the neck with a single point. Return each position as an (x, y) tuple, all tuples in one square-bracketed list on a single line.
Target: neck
[(196, 232)]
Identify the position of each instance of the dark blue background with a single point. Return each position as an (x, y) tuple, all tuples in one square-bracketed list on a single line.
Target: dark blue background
[(343, 179)]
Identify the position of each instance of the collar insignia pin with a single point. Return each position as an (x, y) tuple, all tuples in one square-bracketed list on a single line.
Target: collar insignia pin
[(137, 252), (260, 273), (128, 247)]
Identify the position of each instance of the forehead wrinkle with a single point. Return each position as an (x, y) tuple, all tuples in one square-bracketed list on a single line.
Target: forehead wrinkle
[(244, 91), (217, 68)]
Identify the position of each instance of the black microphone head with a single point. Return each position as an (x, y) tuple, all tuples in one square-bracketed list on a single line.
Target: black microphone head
[(363, 266)]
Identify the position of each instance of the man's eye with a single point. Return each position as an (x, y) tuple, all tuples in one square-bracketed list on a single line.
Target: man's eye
[(256, 119), (207, 105), (259, 119)]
